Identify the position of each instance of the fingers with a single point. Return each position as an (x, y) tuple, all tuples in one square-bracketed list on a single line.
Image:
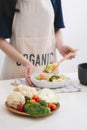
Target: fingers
[(28, 71), (27, 77), (29, 81), (67, 49), (71, 50), (73, 55)]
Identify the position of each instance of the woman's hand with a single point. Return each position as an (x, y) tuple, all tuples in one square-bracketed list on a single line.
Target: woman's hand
[(64, 50), (29, 68)]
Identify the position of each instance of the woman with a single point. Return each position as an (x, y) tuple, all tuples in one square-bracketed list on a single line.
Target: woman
[(34, 29)]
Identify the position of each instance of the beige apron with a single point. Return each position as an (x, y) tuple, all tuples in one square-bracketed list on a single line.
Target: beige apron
[(33, 36)]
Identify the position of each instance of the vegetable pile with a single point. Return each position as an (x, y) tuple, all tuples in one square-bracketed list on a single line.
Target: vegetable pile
[(38, 105), (38, 108)]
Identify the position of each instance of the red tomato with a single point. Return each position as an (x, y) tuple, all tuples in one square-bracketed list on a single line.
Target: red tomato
[(38, 99), (34, 97), (21, 107), (50, 105), (54, 107)]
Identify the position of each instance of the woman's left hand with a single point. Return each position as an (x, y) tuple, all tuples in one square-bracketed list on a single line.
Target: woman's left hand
[(64, 50)]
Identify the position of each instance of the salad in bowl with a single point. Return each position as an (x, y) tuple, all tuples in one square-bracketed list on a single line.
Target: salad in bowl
[(45, 80)]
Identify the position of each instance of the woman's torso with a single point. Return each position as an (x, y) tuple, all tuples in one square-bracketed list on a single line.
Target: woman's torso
[(33, 35)]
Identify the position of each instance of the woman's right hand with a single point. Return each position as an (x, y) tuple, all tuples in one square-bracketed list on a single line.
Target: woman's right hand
[(29, 68), (15, 55)]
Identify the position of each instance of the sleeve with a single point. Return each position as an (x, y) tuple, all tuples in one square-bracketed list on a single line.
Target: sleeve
[(5, 25), (58, 22)]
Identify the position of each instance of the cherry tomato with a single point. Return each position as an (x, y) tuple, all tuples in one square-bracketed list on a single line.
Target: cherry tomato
[(50, 105), (54, 107), (34, 97), (21, 107), (38, 99)]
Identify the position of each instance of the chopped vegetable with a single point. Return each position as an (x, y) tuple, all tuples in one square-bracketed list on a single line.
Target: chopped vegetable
[(50, 67), (41, 76), (53, 77)]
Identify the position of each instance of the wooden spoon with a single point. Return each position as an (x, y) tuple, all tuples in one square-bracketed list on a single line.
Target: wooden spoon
[(61, 60)]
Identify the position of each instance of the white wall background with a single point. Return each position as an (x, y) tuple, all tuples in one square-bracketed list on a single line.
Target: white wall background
[(75, 33), (75, 18)]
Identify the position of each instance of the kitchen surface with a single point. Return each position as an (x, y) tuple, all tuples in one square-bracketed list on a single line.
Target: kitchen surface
[(72, 114)]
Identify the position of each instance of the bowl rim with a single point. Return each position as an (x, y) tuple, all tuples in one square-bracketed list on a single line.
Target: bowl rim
[(80, 66)]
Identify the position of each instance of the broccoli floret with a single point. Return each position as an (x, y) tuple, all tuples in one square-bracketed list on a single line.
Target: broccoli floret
[(54, 77), (36, 110), (43, 103)]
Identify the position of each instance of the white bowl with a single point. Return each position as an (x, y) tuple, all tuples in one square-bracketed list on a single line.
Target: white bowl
[(47, 84)]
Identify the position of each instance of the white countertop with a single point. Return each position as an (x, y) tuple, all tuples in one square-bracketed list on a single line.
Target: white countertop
[(72, 114)]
